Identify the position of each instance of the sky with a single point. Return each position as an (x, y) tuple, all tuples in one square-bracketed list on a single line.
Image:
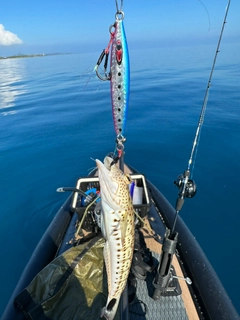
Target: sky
[(51, 26)]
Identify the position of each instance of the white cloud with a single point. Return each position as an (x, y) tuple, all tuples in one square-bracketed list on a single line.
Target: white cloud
[(8, 38)]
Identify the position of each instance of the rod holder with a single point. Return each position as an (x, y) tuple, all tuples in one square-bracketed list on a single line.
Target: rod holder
[(164, 276)]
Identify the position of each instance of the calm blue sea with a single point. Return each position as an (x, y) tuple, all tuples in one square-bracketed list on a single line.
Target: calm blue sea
[(55, 116)]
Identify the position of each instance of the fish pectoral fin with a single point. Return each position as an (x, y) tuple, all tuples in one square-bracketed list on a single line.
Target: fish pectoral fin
[(123, 228), (103, 228)]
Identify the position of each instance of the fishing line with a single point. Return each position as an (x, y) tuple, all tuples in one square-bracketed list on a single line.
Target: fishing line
[(88, 79), (119, 10), (209, 20)]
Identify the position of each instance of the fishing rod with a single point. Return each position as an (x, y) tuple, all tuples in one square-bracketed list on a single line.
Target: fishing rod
[(187, 189), (186, 185)]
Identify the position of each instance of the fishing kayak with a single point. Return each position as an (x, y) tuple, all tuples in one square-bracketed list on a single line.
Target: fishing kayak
[(116, 248), (170, 276)]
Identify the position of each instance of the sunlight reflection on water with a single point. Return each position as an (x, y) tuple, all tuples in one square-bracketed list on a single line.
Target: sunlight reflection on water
[(12, 74)]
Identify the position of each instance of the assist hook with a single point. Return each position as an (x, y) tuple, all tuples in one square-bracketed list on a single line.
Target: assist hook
[(100, 59), (105, 53)]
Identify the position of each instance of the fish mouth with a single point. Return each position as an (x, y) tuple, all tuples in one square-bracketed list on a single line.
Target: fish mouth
[(106, 165), (103, 171), (98, 163), (108, 184), (101, 167)]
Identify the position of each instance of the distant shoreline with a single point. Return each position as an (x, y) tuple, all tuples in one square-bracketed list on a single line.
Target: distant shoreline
[(31, 55)]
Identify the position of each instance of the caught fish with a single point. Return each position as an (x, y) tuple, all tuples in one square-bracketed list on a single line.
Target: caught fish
[(119, 75), (117, 225)]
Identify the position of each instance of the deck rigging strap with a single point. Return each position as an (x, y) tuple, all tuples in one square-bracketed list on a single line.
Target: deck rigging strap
[(187, 186)]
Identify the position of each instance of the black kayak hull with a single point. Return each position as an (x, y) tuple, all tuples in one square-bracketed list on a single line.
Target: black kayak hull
[(212, 298)]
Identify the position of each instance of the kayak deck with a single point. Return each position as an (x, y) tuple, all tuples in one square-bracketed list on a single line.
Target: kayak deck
[(204, 299), (177, 306), (167, 307)]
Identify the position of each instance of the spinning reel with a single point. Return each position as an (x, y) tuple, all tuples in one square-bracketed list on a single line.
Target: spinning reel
[(190, 187)]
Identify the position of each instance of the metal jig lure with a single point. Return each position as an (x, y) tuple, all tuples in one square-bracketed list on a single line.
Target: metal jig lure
[(119, 74)]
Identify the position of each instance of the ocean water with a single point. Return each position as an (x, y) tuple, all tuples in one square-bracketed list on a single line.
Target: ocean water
[(55, 116)]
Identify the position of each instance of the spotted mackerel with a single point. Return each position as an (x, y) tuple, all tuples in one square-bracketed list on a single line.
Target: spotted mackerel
[(117, 225)]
